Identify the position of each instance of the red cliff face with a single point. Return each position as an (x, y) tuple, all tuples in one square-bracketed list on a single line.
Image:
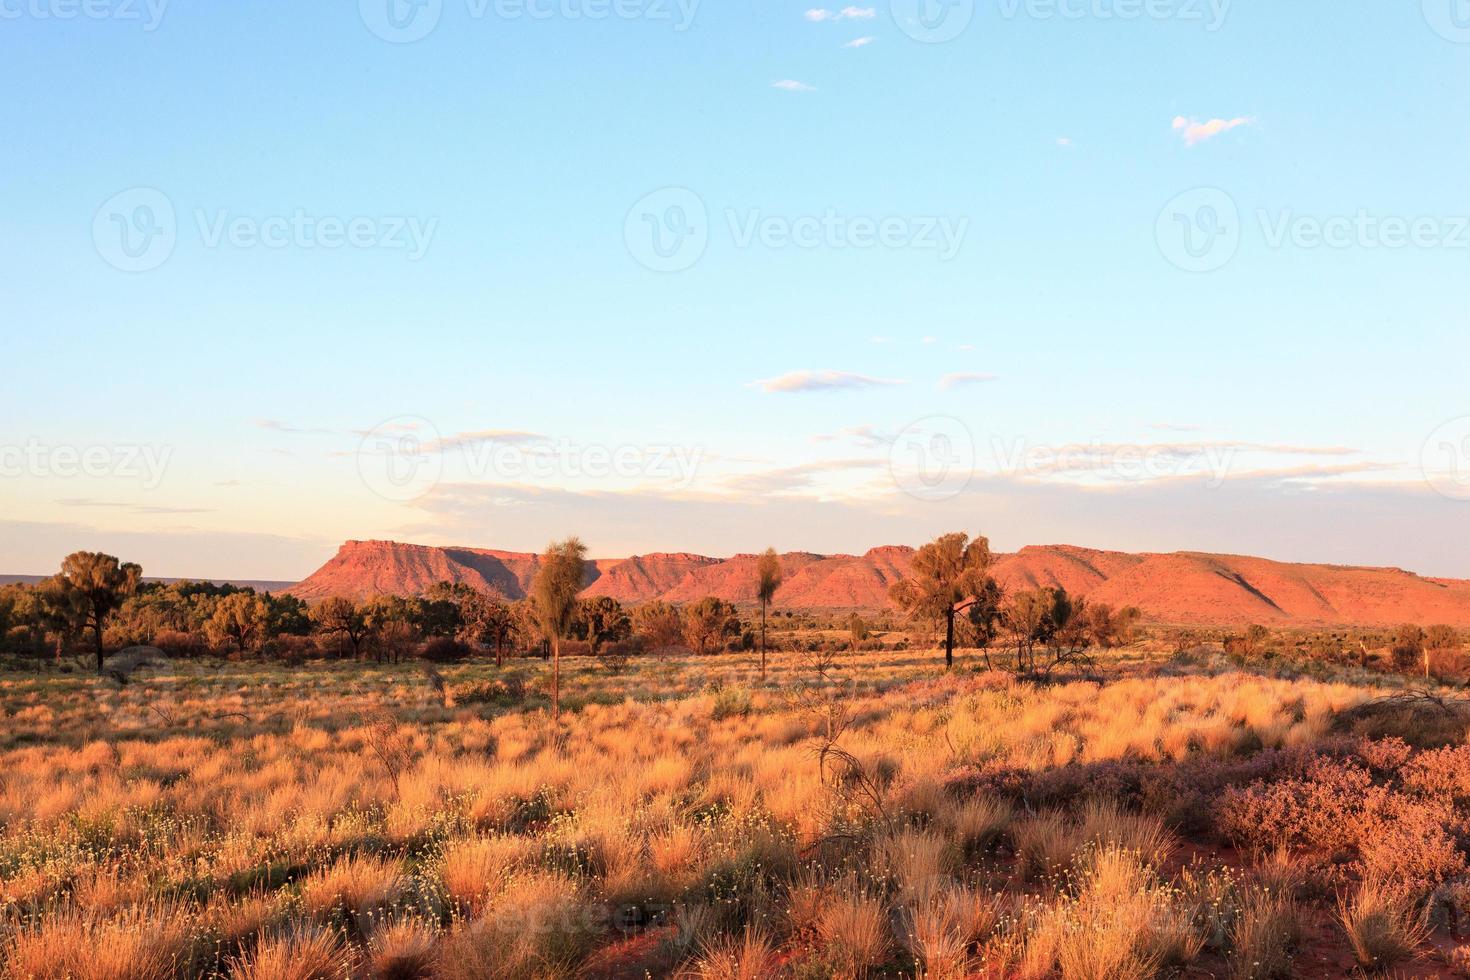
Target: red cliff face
[(1175, 588)]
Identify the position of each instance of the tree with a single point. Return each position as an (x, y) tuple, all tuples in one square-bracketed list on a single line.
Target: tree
[(659, 624), (1027, 617), (981, 622), (554, 591), (340, 616), (102, 583), (1441, 640), (1107, 629), (286, 615), (709, 620), (442, 608), (528, 624), (1408, 647), (857, 629), (392, 623), (32, 614), (600, 620), (768, 580), (947, 576), (486, 620), (1050, 621), (242, 618)]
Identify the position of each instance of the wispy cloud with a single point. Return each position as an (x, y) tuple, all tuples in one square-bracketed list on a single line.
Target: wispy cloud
[(961, 379), (860, 42), (1065, 142), (805, 476), (131, 508), (480, 437), (792, 85), (794, 381), (1174, 426), (1193, 131), (277, 425), (820, 15), (867, 436)]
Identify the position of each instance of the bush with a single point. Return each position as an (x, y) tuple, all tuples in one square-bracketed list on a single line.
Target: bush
[(444, 650), (176, 643), (729, 702), (291, 649)]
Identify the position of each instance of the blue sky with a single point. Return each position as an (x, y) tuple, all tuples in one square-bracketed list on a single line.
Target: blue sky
[(499, 314)]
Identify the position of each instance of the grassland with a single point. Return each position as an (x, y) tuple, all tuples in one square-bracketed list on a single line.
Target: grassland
[(848, 815)]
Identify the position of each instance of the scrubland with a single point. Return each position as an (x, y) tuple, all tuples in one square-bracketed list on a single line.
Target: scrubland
[(857, 815)]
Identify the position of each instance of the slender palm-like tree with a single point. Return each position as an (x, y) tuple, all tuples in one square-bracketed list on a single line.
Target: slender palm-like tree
[(768, 580), (554, 593)]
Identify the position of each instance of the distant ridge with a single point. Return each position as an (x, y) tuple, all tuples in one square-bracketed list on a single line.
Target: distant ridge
[(259, 585), (1184, 587)]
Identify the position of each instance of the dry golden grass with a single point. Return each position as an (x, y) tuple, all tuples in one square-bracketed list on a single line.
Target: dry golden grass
[(148, 943), (1384, 925), (254, 831), (305, 953), (1267, 928)]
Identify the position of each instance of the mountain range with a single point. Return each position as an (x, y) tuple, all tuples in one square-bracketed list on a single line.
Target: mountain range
[(1182, 587)]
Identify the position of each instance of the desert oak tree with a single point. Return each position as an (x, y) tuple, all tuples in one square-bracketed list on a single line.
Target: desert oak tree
[(101, 582), (947, 575)]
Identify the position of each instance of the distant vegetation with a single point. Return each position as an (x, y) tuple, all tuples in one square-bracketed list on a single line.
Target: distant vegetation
[(97, 604)]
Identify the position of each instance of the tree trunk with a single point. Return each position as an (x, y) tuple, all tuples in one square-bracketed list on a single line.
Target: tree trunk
[(499, 662), (949, 640), (556, 680), (98, 629), (763, 639)]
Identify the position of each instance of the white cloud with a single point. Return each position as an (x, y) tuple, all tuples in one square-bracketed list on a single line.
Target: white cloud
[(819, 15), (961, 379), (791, 85), (480, 437), (794, 381), (867, 436), (1193, 131), (859, 42), (1065, 142)]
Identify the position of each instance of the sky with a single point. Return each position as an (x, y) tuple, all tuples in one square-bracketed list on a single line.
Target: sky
[(686, 275)]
